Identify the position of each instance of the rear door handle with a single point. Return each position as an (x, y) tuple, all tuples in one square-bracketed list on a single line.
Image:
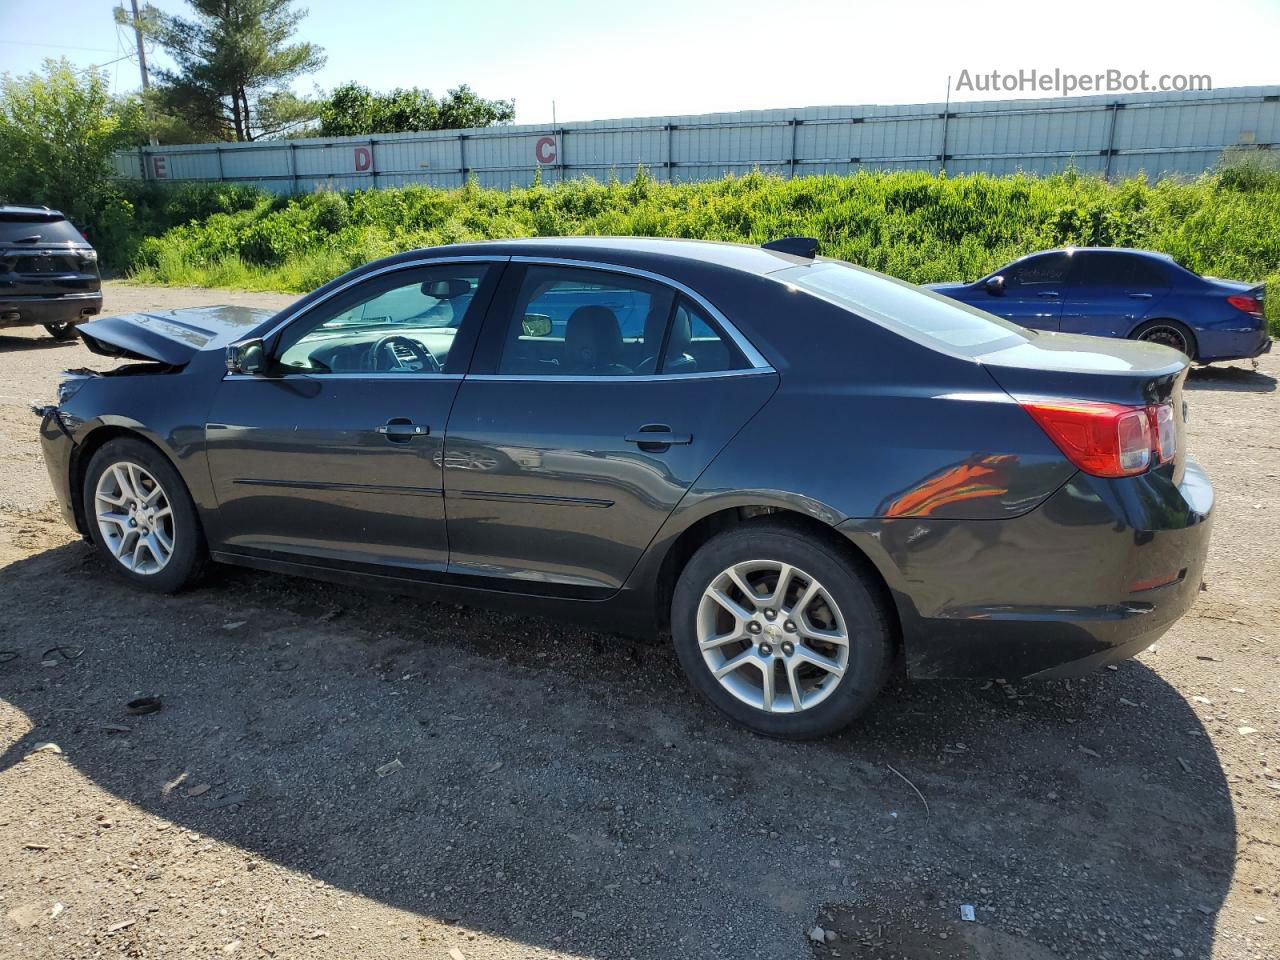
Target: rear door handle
[(1140, 296), (656, 437), (402, 430)]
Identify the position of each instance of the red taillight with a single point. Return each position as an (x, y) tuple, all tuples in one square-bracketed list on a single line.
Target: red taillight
[(1164, 430), (1108, 439), (1248, 304)]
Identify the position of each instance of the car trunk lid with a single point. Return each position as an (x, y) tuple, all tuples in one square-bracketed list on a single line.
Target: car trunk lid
[(171, 337), (1061, 366)]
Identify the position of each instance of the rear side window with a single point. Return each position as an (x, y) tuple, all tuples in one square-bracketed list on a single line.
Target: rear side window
[(694, 345), (38, 231), (570, 321), (921, 315), (1118, 270)]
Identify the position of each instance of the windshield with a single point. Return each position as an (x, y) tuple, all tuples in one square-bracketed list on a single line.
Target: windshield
[(922, 315)]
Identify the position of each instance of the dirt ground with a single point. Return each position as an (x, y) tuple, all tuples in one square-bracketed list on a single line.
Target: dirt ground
[(558, 793)]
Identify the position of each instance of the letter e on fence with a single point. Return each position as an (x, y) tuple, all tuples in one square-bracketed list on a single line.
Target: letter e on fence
[(545, 150), (364, 159), (160, 168)]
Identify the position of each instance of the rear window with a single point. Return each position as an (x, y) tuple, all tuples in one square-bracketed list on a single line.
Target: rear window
[(922, 315), (43, 231)]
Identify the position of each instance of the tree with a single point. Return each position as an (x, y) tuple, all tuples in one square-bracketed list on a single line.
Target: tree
[(353, 110), (58, 130), (233, 66)]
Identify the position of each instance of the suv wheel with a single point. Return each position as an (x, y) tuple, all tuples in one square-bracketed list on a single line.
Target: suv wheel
[(61, 331), (142, 518), (780, 632)]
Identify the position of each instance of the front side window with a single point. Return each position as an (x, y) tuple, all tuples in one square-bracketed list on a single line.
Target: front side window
[(1047, 270), (402, 323)]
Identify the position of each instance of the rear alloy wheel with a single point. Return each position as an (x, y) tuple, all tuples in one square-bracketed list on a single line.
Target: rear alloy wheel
[(779, 632), (1167, 333), (142, 518), (61, 331)]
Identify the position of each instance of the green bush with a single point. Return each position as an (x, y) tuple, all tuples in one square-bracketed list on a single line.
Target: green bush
[(915, 225)]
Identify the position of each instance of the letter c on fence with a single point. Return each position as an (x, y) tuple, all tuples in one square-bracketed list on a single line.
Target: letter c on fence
[(545, 150), (364, 159)]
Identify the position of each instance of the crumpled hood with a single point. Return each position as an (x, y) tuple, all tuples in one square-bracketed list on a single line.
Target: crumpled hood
[(171, 336)]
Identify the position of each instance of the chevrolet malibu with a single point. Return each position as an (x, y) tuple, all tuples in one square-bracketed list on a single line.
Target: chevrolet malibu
[(802, 470)]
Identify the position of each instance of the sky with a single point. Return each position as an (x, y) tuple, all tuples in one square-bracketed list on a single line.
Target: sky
[(598, 60)]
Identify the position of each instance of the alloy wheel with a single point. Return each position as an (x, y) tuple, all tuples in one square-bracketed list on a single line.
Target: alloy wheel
[(135, 517), (772, 636)]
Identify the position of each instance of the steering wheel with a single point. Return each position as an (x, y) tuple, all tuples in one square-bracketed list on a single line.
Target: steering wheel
[(383, 357)]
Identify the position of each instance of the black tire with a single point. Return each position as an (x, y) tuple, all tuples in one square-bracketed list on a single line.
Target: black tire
[(189, 553), (867, 623), (61, 331), (1167, 333)]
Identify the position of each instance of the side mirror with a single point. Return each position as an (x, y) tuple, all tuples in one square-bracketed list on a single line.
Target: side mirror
[(536, 325), (995, 284), (247, 357)]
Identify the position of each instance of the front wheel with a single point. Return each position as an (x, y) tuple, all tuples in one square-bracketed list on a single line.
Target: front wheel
[(141, 517), (780, 632)]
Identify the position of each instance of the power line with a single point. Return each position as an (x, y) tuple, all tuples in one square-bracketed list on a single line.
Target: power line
[(55, 46)]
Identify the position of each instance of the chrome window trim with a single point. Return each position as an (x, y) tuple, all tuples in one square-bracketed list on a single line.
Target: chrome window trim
[(622, 378), (757, 361), (391, 268), (312, 374), (758, 364)]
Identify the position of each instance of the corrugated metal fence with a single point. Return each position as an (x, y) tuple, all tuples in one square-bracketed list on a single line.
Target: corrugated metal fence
[(1162, 134)]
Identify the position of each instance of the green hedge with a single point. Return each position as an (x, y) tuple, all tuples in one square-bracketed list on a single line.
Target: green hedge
[(918, 226)]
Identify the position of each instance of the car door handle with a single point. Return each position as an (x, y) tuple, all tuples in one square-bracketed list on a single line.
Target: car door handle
[(401, 430), (656, 437), (1140, 296), (1046, 294)]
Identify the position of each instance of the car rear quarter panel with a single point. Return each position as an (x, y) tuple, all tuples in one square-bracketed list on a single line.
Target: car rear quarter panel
[(871, 424)]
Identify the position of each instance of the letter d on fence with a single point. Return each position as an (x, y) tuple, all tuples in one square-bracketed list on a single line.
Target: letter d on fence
[(364, 159)]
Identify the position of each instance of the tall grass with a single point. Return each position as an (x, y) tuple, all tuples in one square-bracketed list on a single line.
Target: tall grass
[(917, 226)]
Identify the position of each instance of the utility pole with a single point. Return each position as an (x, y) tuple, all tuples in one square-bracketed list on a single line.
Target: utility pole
[(142, 56)]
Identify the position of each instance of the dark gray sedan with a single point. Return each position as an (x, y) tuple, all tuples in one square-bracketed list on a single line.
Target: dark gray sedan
[(799, 468)]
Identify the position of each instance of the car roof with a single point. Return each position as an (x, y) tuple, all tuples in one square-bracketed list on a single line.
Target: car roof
[(628, 251), (1154, 254)]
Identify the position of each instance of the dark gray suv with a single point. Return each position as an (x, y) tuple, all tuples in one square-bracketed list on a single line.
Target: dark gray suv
[(48, 272)]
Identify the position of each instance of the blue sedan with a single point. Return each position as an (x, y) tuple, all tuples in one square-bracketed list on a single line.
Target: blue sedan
[(1130, 294)]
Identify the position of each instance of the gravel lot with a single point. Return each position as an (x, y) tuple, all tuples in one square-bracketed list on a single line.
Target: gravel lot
[(559, 793)]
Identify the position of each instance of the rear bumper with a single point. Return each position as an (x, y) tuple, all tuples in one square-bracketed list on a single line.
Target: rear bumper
[(29, 311), (1096, 573)]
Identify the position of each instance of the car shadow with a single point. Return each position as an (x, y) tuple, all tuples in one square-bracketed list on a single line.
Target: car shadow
[(564, 789), (10, 344), (1236, 379)]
